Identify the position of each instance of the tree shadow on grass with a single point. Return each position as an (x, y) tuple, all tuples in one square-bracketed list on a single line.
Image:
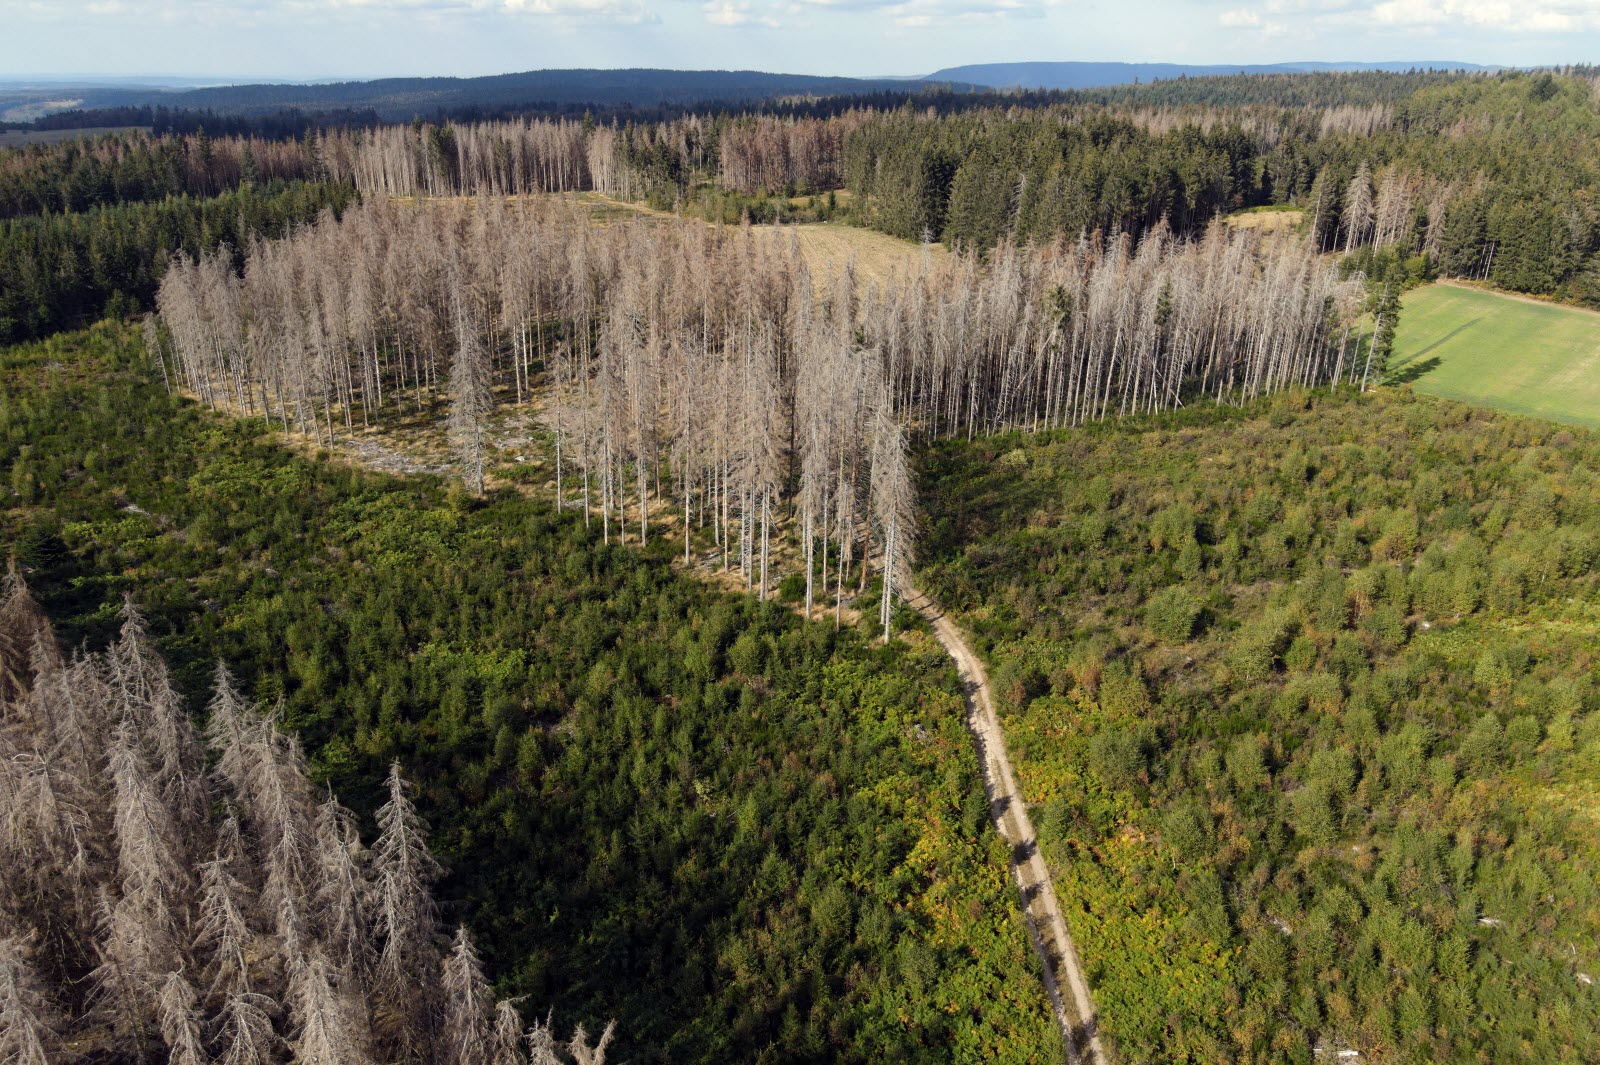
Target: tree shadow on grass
[(1410, 370), (1416, 366)]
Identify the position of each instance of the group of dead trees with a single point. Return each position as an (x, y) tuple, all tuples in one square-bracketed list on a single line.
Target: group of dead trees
[(750, 154), (168, 896), (706, 373), (765, 154)]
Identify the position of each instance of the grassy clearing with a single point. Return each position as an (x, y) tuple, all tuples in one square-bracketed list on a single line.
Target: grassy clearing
[(1501, 351), (827, 247), (1270, 219)]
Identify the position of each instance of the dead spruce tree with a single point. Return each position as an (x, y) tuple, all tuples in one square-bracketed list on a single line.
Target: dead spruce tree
[(30, 1027), (465, 1032), (471, 400), (287, 943), (894, 507), (404, 922)]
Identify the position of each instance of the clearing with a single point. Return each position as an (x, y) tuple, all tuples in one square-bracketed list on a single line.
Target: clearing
[(1273, 219), (827, 247), (1501, 351)]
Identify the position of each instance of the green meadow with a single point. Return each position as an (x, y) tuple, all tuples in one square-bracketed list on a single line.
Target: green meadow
[(1500, 351)]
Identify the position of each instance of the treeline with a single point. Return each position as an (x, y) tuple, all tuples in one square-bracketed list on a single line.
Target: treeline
[(1322, 89), (196, 900), (971, 180), (129, 168), (60, 270), (404, 99), (718, 359), (1491, 179), (288, 124)]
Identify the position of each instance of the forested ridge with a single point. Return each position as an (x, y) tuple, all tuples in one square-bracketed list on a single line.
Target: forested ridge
[(1306, 693)]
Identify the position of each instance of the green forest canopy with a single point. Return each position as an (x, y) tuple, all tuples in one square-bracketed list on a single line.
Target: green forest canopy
[(1307, 691)]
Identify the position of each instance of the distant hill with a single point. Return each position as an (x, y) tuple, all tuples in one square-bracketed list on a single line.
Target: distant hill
[(402, 98), (570, 91), (1100, 75)]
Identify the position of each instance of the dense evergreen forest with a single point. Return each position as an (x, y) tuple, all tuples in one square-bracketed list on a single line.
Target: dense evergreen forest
[(115, 169), (61, 270), (1307, 692), (740, 835)]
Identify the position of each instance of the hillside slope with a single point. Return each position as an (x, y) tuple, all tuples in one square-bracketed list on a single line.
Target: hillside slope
[(1077, 75), (398, 99)]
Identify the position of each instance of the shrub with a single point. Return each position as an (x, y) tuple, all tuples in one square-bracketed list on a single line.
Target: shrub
[(1117, 756), (1171, 614)]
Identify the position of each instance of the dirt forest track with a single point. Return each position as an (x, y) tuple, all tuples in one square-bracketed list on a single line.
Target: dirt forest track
[(1064, 980)]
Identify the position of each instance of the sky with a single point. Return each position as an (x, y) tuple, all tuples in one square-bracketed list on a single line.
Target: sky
[(247, 40)]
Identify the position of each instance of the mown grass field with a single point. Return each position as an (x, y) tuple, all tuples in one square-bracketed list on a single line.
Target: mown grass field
[(1501, 351)]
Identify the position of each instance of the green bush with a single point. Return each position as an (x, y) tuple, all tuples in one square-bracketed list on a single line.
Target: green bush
[(1171, 614)]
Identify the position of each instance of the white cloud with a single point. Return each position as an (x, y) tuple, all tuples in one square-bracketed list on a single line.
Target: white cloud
[(1527, 16), (925, 13), (735, 13), (625, 12), (1501, 16)]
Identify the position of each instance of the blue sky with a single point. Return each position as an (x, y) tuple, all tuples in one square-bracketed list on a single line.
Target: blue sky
[(304, 39)]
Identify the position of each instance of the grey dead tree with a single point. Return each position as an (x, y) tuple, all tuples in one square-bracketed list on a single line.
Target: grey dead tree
[(471, 399), (585, 1053), (893, 504), (283, 816), (52, 850), (328, 1023), (404, 923), (542, 1047), (142, 935), (228, 734), (341, 917), (505, 1039), (159, 724), (223, 936), (30, 1025), (1359, 207), (23, 627), (178, 1017), (465, 1033), (244, 1033)]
